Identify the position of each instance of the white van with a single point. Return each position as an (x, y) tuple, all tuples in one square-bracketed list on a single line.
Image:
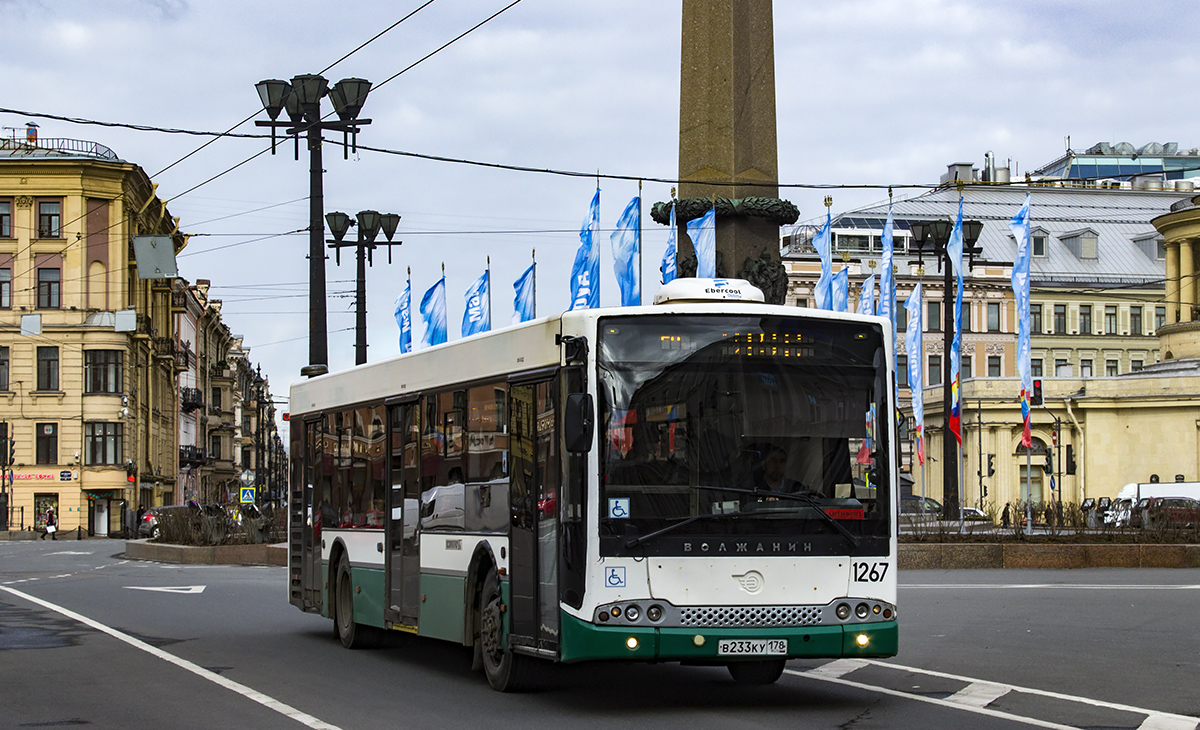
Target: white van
[(1123, 504)]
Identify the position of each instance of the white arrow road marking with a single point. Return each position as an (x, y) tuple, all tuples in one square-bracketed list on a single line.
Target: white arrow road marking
[(168, 589)]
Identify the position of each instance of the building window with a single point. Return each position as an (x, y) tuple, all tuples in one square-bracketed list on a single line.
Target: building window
[(1035, 367), (214, 447), (1085, 368), (5, 288), (1060, 319), (102, 371), (102, 443), (5, 219), (934, 375), (4, 367), (934, 318), (993, 366), (1039, 245), (966, 317), (1160, 317), (1135, 321), (993, 316), (965, 366), (47, 368), (49, 281), (1135, 365), (1062, 369), (49, 219), (1035, 319), (47, 443), (901, 315), (1085, 319), (902, 370), (1110, 320), (1111, 368)]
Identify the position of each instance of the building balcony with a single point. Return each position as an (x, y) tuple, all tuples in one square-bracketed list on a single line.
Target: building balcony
[(190, 399), (192, 456)]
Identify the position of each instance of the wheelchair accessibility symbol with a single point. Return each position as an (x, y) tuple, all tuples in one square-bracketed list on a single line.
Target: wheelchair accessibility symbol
[(618, 508), (615, 577)]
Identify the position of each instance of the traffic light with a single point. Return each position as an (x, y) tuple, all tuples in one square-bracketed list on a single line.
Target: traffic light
[(991, 464), (5, 446), (1070, 459), (130, 471), (1035, 398), (1049, 467)]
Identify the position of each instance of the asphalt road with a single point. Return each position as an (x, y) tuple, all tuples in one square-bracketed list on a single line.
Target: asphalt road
[(90, 639)]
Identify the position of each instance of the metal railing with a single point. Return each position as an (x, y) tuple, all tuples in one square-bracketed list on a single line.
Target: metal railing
[(60, 145)]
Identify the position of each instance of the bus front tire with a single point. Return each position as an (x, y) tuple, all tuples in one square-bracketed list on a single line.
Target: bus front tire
[(765, 671), (352, 635), (505, 671)]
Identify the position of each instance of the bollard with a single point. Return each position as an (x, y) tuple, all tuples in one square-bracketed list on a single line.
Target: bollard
[(79, 533)]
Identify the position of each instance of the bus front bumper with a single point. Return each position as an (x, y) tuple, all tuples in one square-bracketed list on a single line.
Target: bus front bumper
[(582, 641)]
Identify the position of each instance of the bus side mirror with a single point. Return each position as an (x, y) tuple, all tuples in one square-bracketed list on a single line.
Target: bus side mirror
[(578, 423)]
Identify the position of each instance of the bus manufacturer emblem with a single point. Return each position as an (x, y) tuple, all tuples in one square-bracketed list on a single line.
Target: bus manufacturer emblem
[(751, 582)]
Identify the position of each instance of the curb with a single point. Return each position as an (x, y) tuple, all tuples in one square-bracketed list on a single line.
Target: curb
[(994, 555), (207, 554)]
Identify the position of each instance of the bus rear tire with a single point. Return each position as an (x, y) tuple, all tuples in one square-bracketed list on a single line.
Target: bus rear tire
[(352, 635), (765, 671), (505, 671)]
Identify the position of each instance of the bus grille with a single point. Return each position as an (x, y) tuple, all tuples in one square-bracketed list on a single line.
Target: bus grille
[(752, 616)]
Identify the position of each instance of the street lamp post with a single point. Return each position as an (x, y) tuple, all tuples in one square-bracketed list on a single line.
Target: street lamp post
[(302, 100), (931, 238), (368, 224)]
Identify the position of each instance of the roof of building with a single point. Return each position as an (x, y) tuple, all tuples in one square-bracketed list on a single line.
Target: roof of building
[(1126, 241), (55, 148)]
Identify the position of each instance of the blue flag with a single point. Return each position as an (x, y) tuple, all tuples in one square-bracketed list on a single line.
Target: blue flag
[(703, 232), (668, 262), (866, 296), (887, 291), (841, 290), (524, 306), (626, 246), (585, 274), (477, 316), (1019, 226), (404, 317), (433, 310), (954, 251), (915, 348), (821, 242)]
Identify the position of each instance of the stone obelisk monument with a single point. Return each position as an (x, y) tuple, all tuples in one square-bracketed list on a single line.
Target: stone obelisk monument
[(727, 143)]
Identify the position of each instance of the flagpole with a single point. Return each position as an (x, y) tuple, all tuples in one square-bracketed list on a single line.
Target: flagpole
[(533, 257), (489, 281)]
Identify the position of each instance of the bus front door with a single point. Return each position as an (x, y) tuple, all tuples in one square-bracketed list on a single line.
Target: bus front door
[(403, 542), (533, 484)]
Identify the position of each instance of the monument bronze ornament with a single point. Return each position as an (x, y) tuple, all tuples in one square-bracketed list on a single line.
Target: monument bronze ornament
[(727, 140)]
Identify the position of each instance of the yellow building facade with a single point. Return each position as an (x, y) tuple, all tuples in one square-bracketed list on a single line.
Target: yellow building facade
[(88, 355)]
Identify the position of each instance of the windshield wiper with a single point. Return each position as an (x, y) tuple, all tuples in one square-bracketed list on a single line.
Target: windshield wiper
[(805, 498), (635, 541)]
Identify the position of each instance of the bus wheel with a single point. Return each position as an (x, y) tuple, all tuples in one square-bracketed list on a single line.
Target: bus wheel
[(352, 635), (766, 671), (506, 672)]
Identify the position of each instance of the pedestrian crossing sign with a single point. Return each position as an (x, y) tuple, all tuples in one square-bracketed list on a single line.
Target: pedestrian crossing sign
[(247, 495)]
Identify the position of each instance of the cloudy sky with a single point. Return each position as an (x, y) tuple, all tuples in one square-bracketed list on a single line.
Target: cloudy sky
[(869, 92)]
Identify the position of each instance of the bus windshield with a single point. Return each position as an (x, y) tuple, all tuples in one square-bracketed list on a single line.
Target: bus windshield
[(770, 431)]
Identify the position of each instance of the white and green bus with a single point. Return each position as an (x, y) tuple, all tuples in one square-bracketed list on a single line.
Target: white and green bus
[(708, 480)]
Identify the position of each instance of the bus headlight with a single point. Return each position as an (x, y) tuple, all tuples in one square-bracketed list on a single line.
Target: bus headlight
[(632, 643), (843, 611), (654, 613), (861, 640), (862, 610), (632, 613)]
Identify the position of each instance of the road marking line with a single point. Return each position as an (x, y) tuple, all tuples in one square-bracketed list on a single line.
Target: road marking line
[(1158, 721), (979, 694), (1043, 693), (837, 668), (251, 694), (169, 589), (933, 701)]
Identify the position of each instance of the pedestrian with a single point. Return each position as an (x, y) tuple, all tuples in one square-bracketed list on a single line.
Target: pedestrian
[(1004, 517), (51, 525)]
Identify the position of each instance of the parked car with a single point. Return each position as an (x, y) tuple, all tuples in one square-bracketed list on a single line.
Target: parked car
[(150, 524), (915, 505), (1172, 512), (974, 514)]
